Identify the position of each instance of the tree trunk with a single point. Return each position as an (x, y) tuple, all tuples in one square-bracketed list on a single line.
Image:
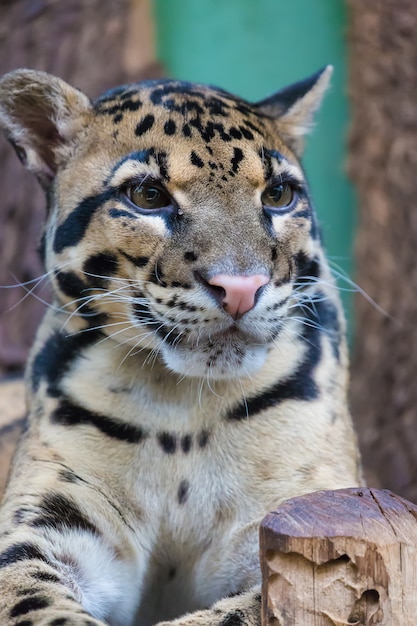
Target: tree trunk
[(383, 164), (94, 45)]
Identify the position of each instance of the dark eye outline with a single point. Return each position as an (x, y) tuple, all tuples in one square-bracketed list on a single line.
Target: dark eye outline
[(296, 190), (127, 187)]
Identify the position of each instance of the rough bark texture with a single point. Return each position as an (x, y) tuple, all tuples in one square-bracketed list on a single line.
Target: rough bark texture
[(334, 558), (383, 165), (93, 45)]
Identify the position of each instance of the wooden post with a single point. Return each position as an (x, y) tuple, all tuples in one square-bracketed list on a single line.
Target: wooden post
[(334, 558)]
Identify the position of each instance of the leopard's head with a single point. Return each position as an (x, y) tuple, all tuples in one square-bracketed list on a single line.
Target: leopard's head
[(179, 217)]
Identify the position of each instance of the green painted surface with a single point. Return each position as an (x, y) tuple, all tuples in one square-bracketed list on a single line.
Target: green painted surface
[(255, 47)]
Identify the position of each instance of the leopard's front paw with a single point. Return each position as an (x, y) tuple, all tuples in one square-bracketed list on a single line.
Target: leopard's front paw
[(240, 610)]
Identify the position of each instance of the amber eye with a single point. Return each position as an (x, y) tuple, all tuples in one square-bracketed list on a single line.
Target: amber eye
[(278, 196), (148, 197)]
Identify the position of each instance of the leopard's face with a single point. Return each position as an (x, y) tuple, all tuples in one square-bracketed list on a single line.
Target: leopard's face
[(179, 222), (181, 218)]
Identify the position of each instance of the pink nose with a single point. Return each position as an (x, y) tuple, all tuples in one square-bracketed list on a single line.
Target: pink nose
[(240, 291)]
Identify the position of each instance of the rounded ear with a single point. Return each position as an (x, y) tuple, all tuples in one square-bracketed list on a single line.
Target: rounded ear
[(40, 114), (293, 107)]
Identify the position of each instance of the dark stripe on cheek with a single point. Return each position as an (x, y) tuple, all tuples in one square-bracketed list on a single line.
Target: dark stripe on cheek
[(59, 512), (70, 414), (21, 552), (70, 284), (74, 227), (300, 385), (100, 267)]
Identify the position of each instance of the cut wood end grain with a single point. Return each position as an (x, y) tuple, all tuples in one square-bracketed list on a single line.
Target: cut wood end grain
[(343, 557)]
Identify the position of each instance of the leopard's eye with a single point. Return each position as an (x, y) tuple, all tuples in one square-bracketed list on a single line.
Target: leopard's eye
[(278, 196), (148, 197)]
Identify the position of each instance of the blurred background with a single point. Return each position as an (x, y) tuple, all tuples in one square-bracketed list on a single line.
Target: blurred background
[(361, 162)]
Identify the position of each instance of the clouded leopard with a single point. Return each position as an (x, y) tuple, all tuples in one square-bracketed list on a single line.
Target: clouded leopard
[(191, 371)]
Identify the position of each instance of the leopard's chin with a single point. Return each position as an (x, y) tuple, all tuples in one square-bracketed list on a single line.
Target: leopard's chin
[(221, 360)]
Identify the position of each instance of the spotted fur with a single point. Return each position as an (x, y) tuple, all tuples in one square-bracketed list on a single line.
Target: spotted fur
[(163, 426)]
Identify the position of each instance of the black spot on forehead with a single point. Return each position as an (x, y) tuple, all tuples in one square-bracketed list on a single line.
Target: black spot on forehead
[(145, 124), (170, 127), (236, 159)]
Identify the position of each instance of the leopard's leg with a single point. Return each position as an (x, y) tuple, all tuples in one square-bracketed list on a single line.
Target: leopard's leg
[(67, 552)]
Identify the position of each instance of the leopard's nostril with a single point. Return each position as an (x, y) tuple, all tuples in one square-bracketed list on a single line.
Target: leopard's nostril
[(216, 291)]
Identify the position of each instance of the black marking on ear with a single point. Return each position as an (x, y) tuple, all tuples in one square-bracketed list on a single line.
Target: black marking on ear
[(170, 127), (182, 493), (59, 621), (190, 256), (74, 227), (195, 160), (70, 414), (21, 552), (35, 603), (168, 442), (59, 512), (283, 100), (56, 356), (144, 125), (139, 261), (237, 158), (100, 267)]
